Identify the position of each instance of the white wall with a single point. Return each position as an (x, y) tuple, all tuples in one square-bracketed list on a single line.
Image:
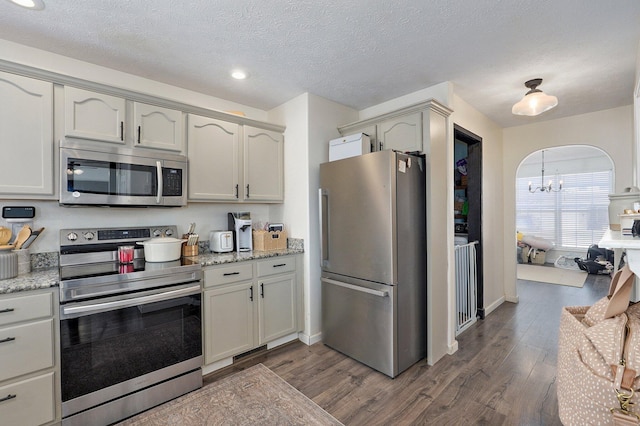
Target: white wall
[(53, 217), (610, 130), (311, 122)]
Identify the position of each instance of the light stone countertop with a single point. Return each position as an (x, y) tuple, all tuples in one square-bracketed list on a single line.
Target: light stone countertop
[(50, 277)]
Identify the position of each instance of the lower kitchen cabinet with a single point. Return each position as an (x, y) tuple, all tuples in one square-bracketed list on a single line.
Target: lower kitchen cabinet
[(29, 382), (229, 321), (249, 304)]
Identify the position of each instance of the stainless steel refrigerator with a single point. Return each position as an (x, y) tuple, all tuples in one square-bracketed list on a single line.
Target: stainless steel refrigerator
[(373, 245)]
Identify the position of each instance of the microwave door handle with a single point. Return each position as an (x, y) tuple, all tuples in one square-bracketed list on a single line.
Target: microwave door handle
[(159, 173)]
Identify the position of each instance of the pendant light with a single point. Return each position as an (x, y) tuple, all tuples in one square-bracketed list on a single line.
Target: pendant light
[(535, 101), (544, 188)]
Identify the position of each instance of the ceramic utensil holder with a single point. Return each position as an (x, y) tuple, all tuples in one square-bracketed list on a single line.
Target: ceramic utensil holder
[(24, 261), (8, 265)]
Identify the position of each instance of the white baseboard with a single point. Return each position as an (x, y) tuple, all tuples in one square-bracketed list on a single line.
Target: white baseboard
[(511, 299), (492, 307), (453, 347), (310, 340)]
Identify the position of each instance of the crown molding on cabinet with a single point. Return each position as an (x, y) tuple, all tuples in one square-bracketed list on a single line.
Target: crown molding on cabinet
[(67, 80), (430, 104)]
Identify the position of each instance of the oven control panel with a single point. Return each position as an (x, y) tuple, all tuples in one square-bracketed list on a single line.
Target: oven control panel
[(88, 236)]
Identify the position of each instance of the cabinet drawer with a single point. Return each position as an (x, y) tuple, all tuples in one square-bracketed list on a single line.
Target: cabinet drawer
[(25, 308), (277, 265), (26, 348), (28, 402), (228, 274)]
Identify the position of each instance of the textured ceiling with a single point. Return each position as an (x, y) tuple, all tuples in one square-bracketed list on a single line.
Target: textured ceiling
[(359, 52)]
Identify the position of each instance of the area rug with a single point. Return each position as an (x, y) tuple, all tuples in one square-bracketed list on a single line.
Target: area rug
[(255, 396), (551, 275)]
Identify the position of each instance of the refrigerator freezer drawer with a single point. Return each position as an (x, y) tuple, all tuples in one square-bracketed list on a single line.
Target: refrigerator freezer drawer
[(359, 322), (349, 146)]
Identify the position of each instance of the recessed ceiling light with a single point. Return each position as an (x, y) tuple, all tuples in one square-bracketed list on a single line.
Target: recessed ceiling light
[(239, 74), (30, 4)]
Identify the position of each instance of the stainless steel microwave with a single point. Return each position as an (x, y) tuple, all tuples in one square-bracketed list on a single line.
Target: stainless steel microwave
[(122, 177)]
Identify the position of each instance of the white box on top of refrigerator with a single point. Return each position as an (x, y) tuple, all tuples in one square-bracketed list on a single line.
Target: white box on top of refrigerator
[(349, 146)]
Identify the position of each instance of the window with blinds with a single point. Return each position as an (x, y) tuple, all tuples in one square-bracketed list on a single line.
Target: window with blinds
[(575, 217)]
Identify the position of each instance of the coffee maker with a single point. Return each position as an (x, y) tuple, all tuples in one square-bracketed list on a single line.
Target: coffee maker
[(240, 224)]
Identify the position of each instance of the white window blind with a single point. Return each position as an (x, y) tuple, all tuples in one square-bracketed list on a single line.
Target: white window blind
[(575, 217)]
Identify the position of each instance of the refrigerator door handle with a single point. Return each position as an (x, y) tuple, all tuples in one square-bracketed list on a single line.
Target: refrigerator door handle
[(324, 227), (356, 288)]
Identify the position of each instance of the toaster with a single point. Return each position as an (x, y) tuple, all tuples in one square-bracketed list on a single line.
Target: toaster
[(221, 241)]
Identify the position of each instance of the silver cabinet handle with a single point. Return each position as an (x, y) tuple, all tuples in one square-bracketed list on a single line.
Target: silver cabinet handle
[(356, 288)]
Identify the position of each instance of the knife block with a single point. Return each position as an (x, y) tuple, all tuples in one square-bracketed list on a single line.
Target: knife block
[(189, 251)]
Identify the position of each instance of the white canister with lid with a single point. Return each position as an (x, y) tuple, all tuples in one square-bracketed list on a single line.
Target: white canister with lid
[(618, 203), (8, 265)]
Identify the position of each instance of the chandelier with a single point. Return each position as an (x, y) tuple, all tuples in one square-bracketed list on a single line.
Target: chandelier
[(545, 188)]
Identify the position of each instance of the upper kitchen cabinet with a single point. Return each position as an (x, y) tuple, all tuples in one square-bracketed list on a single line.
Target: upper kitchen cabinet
[(403, 130), (402, 133), (99, 117), (157, 127), (263, 168), (26, 128), (96, 116), (214, 159)]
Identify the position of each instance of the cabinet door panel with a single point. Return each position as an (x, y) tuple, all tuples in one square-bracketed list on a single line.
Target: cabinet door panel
[(402, 133), (277, 307), (213, 151), (157, 127), (229, 321), (24, 308), (31, 402), (26, 128), (26, 348), (93, 115), (263, 165)]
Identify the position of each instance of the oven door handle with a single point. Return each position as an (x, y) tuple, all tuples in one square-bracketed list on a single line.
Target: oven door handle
[(119, 304)]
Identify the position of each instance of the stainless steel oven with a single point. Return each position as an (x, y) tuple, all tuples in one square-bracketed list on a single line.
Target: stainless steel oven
[(121, 177), (131, 333)]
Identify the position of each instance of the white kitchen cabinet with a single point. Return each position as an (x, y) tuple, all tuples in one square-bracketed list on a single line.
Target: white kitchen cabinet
[(403, 130), (249, 304), (223, 169), (229, 321), (157, 127), (95, 116), (90, 115), (29, 373), (26, 129), (214, 159), (276, 307), (263, 167), (402, 133)]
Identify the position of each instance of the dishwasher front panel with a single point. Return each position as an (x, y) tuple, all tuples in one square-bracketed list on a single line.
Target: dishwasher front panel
[(359, 320)]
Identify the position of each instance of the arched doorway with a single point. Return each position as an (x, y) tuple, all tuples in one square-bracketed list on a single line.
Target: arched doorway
[(562, 197)]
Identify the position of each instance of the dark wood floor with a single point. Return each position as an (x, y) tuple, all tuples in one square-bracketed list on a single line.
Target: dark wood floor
[(504, 372)]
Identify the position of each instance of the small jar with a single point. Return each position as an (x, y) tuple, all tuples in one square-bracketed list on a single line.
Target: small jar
[(125, 254)]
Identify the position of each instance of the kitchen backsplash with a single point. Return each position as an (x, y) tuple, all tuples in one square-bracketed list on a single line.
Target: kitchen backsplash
[(207, 216)]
